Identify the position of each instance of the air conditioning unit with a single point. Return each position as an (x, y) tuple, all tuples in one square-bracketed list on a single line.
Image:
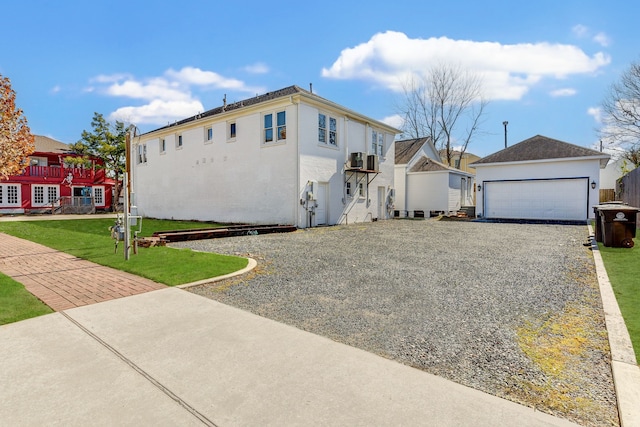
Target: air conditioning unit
[(373, 162), (357, 160)]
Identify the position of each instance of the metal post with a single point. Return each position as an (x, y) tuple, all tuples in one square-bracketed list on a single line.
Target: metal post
[(127, 236), (505, 123)]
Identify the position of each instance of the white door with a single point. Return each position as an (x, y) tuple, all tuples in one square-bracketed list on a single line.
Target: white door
[(382, 202), (552, 199), (321, 200)]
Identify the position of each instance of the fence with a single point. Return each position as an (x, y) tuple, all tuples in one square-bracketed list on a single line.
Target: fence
[(608, 195), (628, 188)]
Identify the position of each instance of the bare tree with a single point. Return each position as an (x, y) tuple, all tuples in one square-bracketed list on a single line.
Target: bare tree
[(446, 105), (621, 118)]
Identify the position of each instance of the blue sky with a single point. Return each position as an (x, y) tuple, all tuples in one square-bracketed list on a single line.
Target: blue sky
[(546, 65)]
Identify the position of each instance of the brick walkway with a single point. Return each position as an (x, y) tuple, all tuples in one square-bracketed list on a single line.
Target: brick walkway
[(63, 281)]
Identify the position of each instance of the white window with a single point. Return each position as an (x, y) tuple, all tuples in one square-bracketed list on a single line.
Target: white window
[(377, 142), (208, 134), (280, 127), (348, 189), (327, 129), (43, 194), (98, 196), (179, 141), (231, 130), (9, 195), (142, 153), (163, 146), (361, 190)]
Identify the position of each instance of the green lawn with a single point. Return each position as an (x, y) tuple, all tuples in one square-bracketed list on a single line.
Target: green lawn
[(623, 269), (16, 303), (91, 239)]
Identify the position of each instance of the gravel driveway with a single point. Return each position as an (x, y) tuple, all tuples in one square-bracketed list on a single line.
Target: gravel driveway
[(510, 309)]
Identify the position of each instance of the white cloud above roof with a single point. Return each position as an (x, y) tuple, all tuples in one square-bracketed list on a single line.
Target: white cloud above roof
[(172, 96), (509, 71), (563, 92)]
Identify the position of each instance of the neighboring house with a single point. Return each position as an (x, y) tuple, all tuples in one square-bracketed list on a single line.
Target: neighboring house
[(48, 183), (539, 178), (459, 162), (285, 157), (425, 184), (615, 170)]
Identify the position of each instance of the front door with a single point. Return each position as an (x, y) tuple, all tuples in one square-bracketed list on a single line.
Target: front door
[(321, 200), (382, 202), (81, 196)]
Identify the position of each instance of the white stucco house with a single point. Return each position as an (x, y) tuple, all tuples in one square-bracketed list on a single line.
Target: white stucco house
[(425, 184), (284, 157), (539, 178)]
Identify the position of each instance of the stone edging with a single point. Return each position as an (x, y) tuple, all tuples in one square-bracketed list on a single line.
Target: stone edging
[(626, 372), (252, 263)]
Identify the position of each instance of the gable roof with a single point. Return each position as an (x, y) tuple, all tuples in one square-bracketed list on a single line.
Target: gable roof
[(44, 144), (425, 164), (280, 93), (406, 149), (541, 148)]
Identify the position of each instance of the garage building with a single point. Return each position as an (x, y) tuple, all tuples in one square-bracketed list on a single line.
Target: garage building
[(539, 178)]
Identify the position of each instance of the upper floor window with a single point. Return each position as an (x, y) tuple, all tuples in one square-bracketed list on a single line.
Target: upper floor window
[(232, 129), (456, 163), (142, 153), (377, 142), (163, 146), (327, 129), (179, 141), (208, 134), (280, 130)]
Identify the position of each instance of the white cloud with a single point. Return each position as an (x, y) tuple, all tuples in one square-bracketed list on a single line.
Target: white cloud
[(172, 96), (563, 92), (602, 39), (257, 68), (580, 31), (509, 71), (55, 89), (596, 113), (157, 112), (396, 121)]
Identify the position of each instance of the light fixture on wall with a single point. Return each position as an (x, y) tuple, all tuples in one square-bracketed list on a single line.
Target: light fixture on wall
[(479, 187), (593, 185)]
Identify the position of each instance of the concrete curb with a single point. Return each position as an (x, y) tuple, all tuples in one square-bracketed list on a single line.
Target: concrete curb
[(252, 263), (626, 373)]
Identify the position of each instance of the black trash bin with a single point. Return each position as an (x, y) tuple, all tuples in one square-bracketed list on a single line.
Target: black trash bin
[(616, 225)]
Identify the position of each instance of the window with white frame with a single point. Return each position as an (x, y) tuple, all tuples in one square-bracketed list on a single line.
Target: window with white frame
[(327, 129), (43, 194), (142, 153), (280, 127), (231, 130), (361, 193), (9, 195), (348, 189), (377, 142), (208, 134), (163, 146), (98, 196), (179, 141)]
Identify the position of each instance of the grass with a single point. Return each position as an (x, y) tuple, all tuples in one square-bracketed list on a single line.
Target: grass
[(90, 239), (16, 303), (623, 269)]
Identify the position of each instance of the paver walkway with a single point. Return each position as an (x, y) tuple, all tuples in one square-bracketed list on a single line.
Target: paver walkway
[(63, 281)]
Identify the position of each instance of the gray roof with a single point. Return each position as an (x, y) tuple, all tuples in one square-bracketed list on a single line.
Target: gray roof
[(406, 149), (425, 164), (540, 148), (44, 144)]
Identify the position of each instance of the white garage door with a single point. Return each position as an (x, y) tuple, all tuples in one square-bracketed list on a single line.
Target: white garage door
[(554, 199)]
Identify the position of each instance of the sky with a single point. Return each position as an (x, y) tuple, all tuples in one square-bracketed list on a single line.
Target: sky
[(545, 66)]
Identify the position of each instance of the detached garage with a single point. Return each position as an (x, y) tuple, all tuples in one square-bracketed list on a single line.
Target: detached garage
[(539, 179)]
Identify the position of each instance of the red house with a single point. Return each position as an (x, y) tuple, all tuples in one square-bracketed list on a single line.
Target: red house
[(50, 185)]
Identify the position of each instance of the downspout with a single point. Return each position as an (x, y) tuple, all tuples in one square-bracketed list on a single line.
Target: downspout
[(296, 189)]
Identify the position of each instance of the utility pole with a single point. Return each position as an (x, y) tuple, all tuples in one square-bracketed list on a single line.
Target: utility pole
[(125, 208), (505, 123)]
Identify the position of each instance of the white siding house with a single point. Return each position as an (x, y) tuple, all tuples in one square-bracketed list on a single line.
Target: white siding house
[(539, 179), (425, 184), (279, 158)]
